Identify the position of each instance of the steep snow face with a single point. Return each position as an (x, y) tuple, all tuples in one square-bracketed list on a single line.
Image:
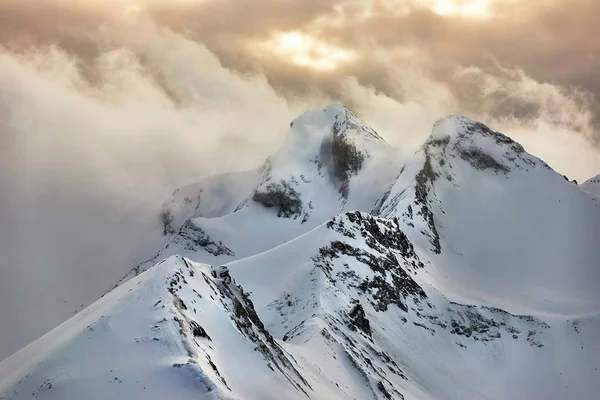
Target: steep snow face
[(498, 226), (592, 185)]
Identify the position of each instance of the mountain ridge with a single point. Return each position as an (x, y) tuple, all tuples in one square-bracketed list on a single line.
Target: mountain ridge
[(447, 279)]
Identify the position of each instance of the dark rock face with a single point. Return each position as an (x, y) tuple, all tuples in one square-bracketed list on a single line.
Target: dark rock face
[(198, 331), (390, 257), (347, 161), (347, 158), (195, 237), (167, 220), (358, 319), (425, 179), (383, 390), (480, 160), (381, 235), (387, 243), (281, 196)]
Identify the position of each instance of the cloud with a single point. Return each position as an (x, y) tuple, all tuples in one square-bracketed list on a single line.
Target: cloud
[(86, 165), (105, 109), (551, 41)]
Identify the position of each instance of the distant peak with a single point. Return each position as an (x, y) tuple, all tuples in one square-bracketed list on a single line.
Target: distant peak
[(459, 127), (451, 121), (321, 116), (333, 119), (485, 149)]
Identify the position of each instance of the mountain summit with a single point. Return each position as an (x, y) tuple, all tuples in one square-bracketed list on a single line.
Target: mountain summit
[(323, 154), (333, 272), (503, 229)]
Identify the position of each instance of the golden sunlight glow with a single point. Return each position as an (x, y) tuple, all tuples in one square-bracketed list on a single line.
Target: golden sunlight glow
[(466, 8), (307, 51)]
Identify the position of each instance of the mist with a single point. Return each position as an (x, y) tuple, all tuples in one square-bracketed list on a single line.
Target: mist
[(99, 124), (86, 167)]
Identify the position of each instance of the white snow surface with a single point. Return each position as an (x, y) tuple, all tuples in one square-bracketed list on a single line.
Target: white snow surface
[(592, 185), (513, 233), (469, 272)]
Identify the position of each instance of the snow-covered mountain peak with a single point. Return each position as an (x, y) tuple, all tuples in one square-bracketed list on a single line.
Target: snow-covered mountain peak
[(484, 149), (489, 212), (333, 119), (333, 138), (325, 151), (449, 125)]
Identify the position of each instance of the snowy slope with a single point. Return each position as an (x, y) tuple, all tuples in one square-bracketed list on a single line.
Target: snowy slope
[(337, 313), (468, 273), (592, 185), (172, 332), (337, 292), (499, 226)]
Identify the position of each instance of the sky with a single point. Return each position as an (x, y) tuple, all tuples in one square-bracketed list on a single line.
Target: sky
[(107, 106)]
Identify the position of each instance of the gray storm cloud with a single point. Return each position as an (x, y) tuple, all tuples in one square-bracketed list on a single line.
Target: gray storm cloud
[(107, 107)]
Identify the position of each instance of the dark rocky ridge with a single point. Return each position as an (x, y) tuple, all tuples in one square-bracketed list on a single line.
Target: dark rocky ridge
[(281, 196), (387, 244), (243, 314)]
